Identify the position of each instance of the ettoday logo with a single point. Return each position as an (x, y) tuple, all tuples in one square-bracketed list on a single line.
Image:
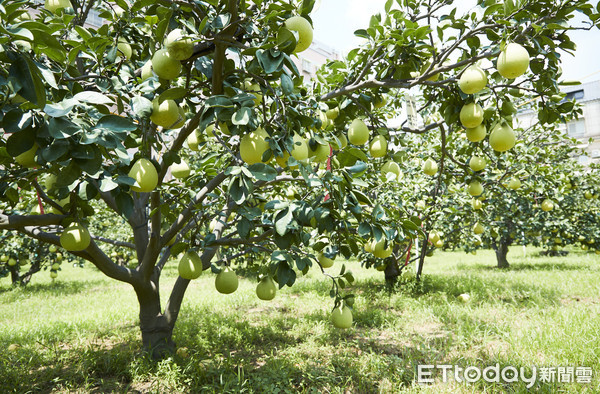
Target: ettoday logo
[(509, 374)]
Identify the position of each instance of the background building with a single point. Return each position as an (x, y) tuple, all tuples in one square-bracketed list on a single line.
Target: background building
[(587, 126), (309, 61)]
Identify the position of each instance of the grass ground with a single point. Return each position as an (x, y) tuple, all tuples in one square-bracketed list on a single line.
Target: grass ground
[(79, 333)]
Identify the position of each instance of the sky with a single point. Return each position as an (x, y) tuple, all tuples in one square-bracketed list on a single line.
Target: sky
[(336, 20)]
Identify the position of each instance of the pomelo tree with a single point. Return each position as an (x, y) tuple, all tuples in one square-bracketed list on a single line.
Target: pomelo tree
[(192, 123), (540, 172)]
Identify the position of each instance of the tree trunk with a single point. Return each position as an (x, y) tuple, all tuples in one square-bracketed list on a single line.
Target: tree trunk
[(501, 250), (156, 331), (422, 257), (35, 267), (14, 274), (392, 271)]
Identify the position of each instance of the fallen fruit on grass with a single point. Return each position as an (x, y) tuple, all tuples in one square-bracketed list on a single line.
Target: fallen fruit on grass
[(464, 298)]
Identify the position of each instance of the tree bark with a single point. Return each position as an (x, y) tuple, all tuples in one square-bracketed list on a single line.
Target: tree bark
[(35, 267), (422, 257), (501, 249), (157, 333), (14, 275), (392, 272)]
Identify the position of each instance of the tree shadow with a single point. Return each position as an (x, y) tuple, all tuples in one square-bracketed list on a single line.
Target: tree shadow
[(56, 288), (525, 266), (236, 351), (232, 345), (442, 289), (96, 367)]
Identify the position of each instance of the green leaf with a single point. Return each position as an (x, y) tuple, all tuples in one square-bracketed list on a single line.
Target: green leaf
[(107, 184), (83, 33), (116, 124), (349, 277), (287, 85), (362, 198), (242, 116), (92, 98), (364, 229), (141, 106), (178, 248), (62, 128), (56, 150), (237, 191), (509, 7), (15, 121), (87, 191), (173, 94), (286, 40), (282, 220), (25, 74), (569, 83), (243, 227), (83, 152), (219, 102), (20, 33), (124, 204), (357, 168), (409, 225), (91, 165), (48, 76), (125, 180), (263, 172), (306, 7), (50, 46), (362, 33), (270, 60), (233, 170), (61, 108), (20, 142)]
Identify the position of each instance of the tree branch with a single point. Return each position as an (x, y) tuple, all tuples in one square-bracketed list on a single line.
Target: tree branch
[(185, 132), (45, 197), (124, 244), (188, 212), (16, 222), (242, 241), (153, 248), (93, 254)]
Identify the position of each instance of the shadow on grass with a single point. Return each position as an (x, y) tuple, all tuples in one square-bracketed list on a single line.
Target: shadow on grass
[(269, 349), (55, 288), (268, 355), (237, 350), (518, 266), (441, 289), (93, 368)]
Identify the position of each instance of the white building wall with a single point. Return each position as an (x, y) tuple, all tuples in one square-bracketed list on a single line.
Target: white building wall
[(309, 61), (587, 126)]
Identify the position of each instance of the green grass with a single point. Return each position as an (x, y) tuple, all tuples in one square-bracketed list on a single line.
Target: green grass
[(79, 333)]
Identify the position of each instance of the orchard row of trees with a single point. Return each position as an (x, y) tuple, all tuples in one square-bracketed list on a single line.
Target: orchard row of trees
[(268, 174)]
